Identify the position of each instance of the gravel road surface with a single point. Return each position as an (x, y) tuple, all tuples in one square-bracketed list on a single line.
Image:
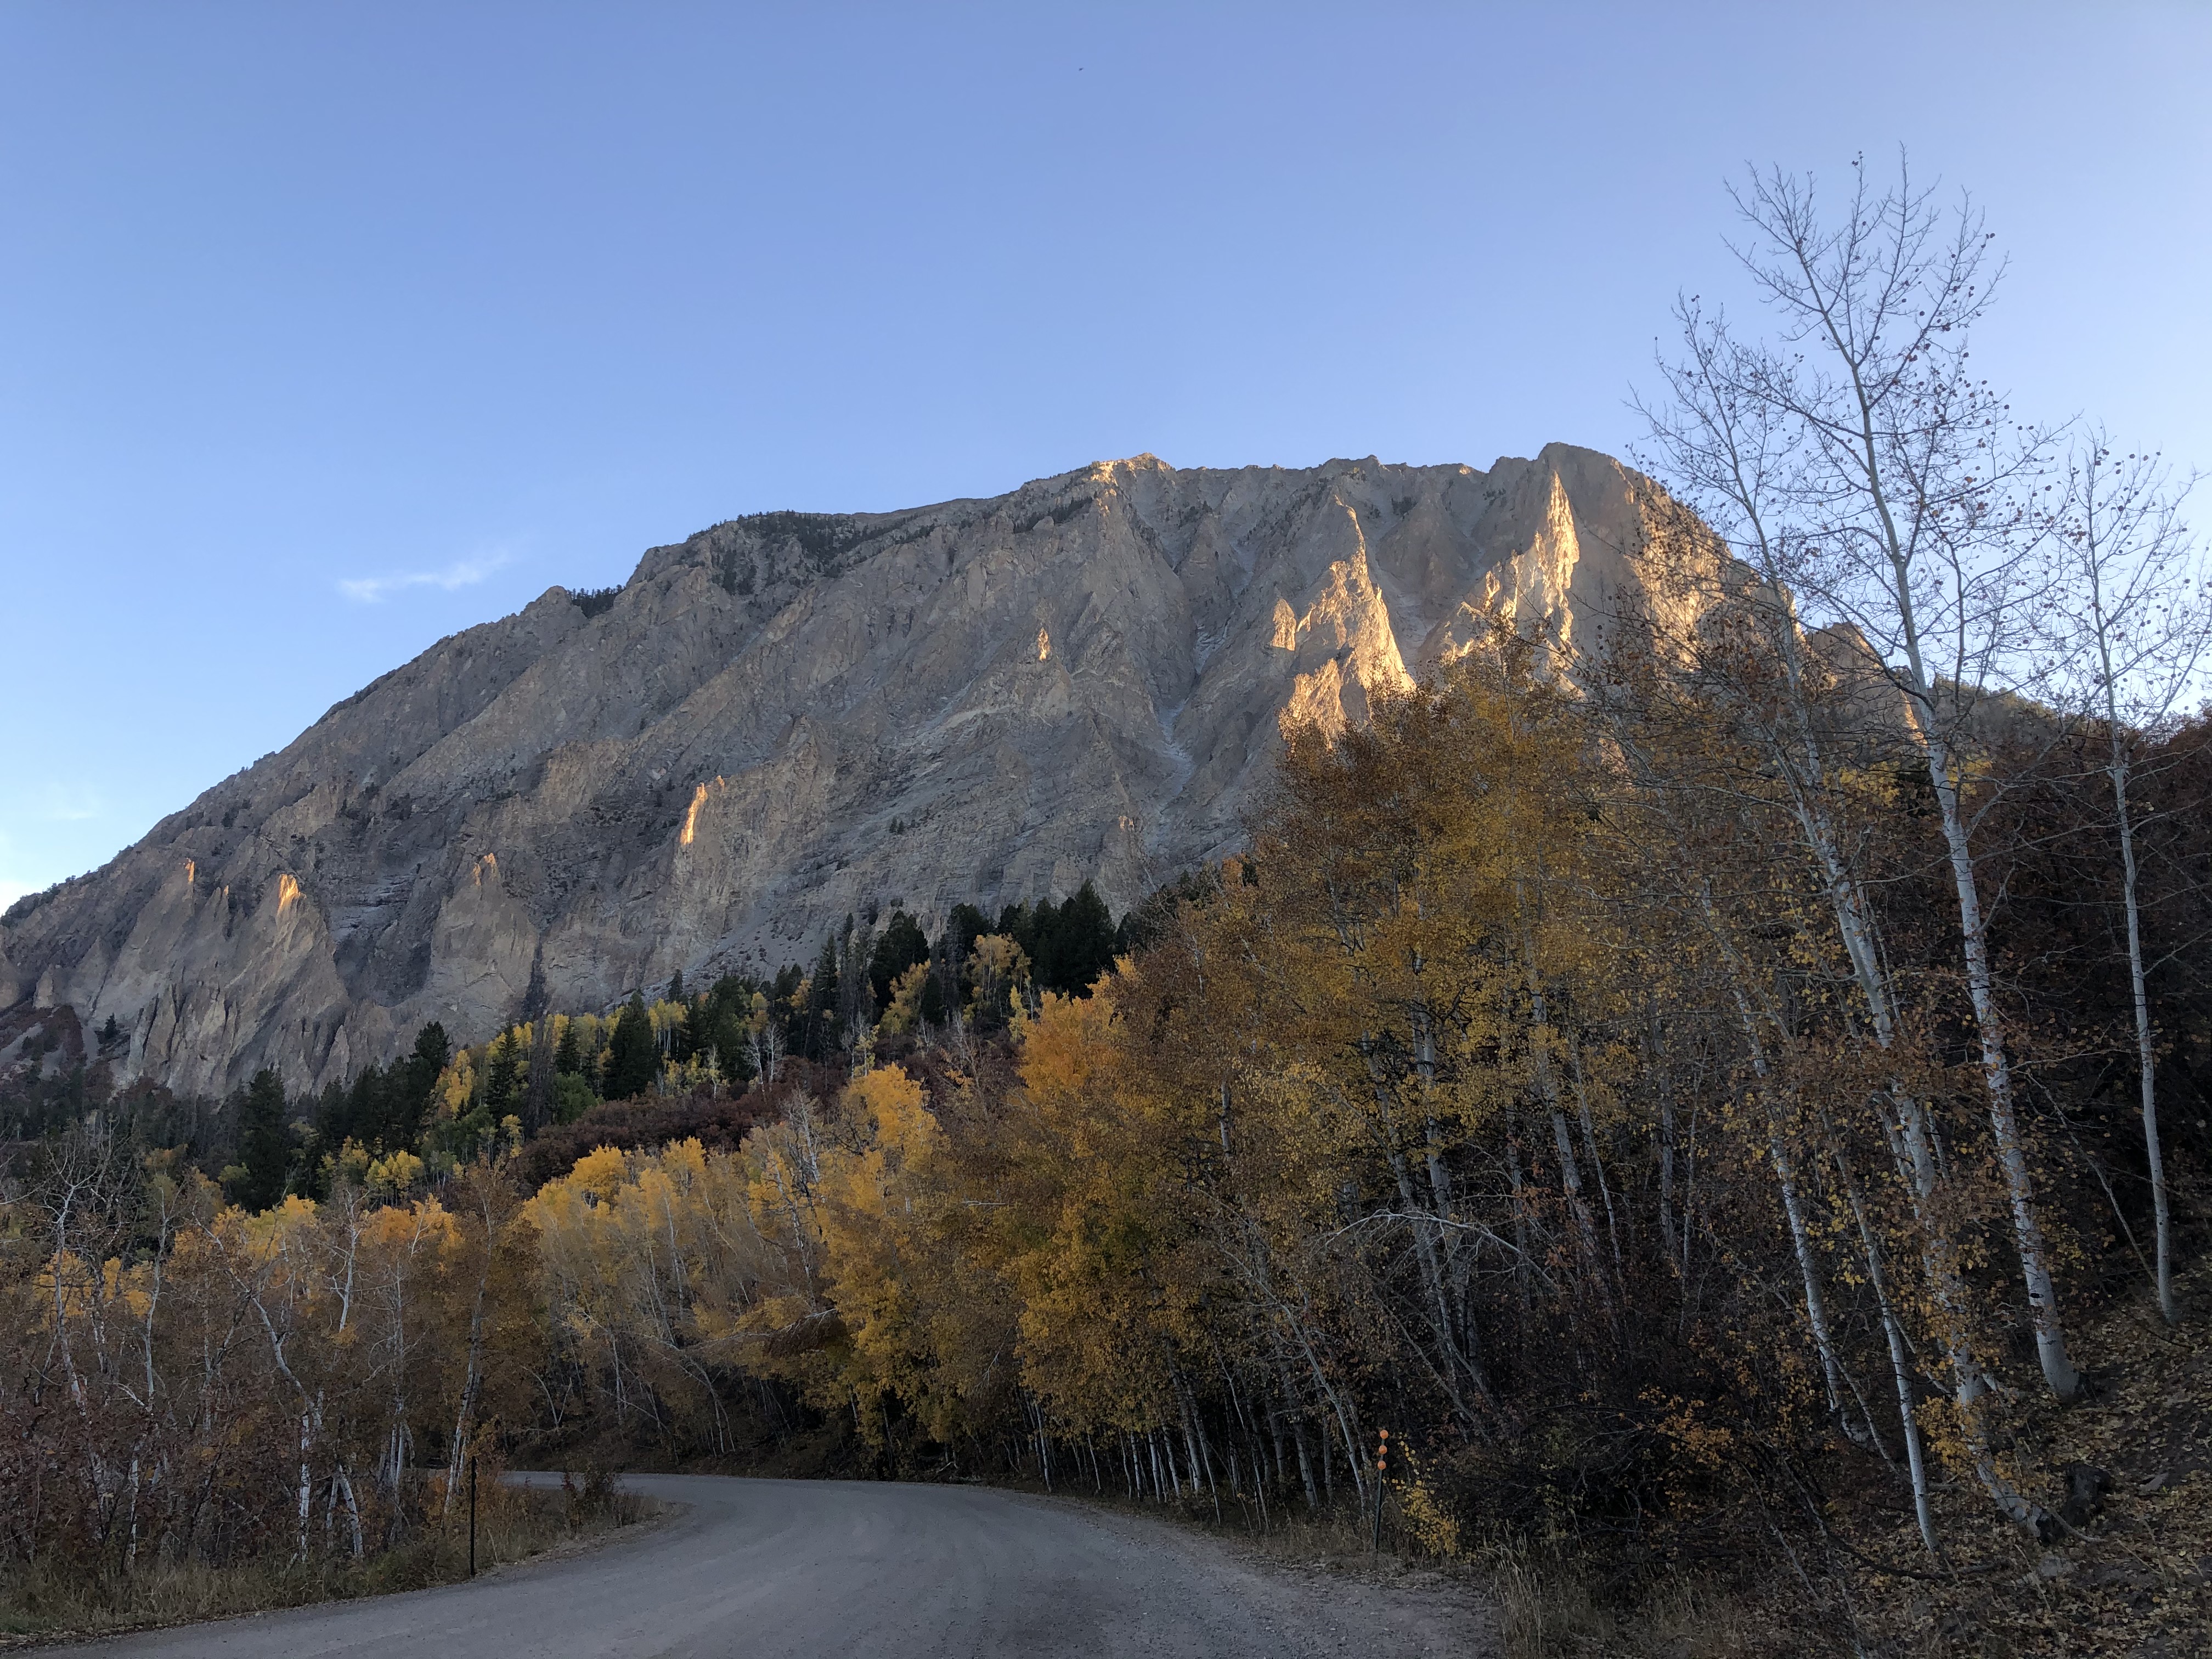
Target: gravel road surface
[(782, 1569)]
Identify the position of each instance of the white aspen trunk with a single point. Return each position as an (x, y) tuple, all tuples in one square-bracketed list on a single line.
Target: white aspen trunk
[(1910, 1144), (1900, 1360), (2145, 1043), (1298, 1432), (2120, 772), (1457, 1362), (1337, 1407), (1520, 1210), (307, 1481), (1570, 1182), (472, 1381), (1785, 1175), (1892, 386), (1909, 1136), (1547, 1087), (353, 1509), (131, 1547), (1816, 1312), (1597, 1163), (2058, 1369), (1462, 1338)]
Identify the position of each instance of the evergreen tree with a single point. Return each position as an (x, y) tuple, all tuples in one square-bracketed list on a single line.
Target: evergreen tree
[(694, 1033), (633, 1057), (568, 1053), (783, 1007), (856, 1002), (264, 1143), (1082, 947), (1038, 934), (676, 986), (538, 1086), (572, 1097), (899, 947), (962, 929), (729, 1039), (823, 1030), (355, 1111), (502, 1077), (408, 1088)]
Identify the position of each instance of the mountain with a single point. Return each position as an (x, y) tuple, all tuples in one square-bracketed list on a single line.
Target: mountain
[(788, 718)]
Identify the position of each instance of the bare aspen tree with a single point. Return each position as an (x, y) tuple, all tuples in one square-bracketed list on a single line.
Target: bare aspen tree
[(2129, 651), (1903, 492)]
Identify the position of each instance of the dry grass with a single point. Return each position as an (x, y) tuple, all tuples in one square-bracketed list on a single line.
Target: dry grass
[(52, 1599), (1548, 1609)]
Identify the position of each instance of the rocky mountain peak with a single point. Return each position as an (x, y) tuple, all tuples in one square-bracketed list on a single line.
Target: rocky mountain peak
[(791, 717)]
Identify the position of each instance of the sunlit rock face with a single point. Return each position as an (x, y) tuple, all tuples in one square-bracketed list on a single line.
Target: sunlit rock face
[(792, 717)]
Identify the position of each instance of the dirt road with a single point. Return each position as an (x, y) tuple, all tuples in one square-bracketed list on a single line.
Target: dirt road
[(786, 1569)]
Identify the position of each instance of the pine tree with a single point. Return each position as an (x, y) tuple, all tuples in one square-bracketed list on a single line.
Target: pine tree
[(633, 1057), (1079, 946), (856, 1002), (1037, 931), (264, 1143), (900, 945), (823, 1031), (410, 1087), (962, 929), (502, 1084)]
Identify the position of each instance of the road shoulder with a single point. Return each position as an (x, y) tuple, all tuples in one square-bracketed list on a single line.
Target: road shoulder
[(1394, 1607)]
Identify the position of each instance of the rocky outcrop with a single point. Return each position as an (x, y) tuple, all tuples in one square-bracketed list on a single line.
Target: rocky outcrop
[(795, 716)]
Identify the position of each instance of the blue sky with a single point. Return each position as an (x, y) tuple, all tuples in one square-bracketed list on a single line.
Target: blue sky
[(327, 331)]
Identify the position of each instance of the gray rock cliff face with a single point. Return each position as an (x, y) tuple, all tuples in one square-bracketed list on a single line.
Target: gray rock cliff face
[(791, 717)]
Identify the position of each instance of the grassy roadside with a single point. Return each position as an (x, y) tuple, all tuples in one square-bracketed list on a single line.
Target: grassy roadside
[(58, 1600)]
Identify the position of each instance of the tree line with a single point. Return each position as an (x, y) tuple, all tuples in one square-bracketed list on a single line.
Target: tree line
[(439, 1107)]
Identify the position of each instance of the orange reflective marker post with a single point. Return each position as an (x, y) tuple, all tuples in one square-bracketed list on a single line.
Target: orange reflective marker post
[(1381, 1465)]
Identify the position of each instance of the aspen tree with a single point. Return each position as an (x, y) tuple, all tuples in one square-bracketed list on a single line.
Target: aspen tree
[(2126, 662), (1908, 484)]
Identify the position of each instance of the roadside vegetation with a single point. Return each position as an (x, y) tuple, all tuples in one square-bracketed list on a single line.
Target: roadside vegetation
[(61, 1594)]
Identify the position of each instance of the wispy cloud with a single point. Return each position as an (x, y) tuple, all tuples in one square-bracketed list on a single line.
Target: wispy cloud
[(462, 573), (69, 804)]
